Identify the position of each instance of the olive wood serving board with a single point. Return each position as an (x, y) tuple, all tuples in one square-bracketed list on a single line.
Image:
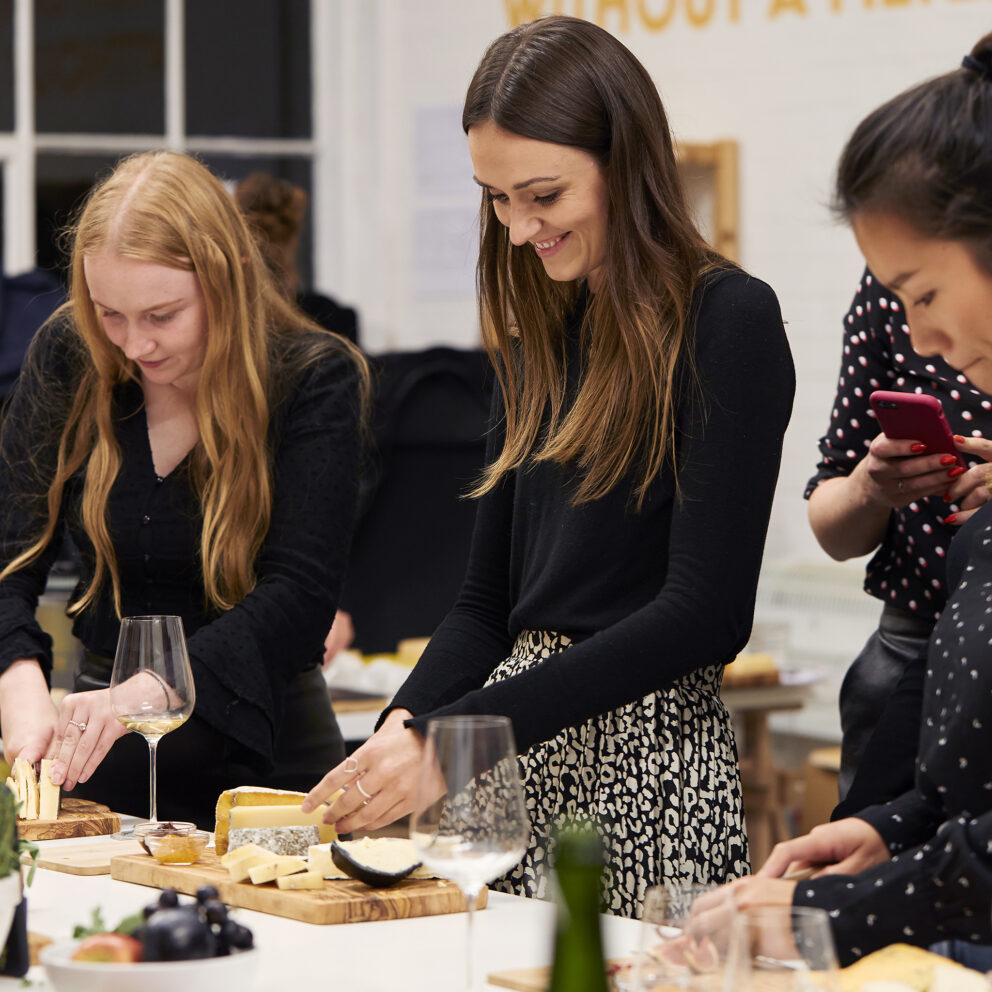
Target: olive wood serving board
[(340, 901), (77, 818)]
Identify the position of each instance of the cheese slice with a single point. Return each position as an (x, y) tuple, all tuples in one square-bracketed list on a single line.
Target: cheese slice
[(248, 795), (242, 852), (913, 968), (276, 868), (239, 870), (311, 880), (26, 785), (48, 803)]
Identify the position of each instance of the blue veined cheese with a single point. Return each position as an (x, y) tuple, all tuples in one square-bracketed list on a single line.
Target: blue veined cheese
[(279, 840)]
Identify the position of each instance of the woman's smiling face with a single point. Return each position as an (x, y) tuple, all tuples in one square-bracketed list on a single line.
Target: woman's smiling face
[(946, 294), (552, 196)]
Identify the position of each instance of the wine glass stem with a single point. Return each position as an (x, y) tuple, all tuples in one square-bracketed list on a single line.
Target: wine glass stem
[(470, 899), (152, 778)]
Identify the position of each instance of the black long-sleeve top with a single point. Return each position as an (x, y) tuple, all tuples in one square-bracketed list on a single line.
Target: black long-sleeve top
[(649, 596), (241, 658), (938, 883)]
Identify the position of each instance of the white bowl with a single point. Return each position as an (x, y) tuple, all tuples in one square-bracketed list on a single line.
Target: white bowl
[(236, 970)]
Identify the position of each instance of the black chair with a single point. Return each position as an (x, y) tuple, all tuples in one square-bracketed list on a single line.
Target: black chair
[(412, 539)]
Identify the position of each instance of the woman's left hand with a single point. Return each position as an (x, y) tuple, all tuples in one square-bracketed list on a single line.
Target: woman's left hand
[(379, 778), (87, 730), (972, 489)]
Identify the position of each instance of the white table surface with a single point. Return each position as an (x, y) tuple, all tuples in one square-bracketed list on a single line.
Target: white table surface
[(426, 953)]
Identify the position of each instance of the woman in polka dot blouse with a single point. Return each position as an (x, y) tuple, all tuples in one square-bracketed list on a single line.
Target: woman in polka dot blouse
[(871, 493), (915, 182)]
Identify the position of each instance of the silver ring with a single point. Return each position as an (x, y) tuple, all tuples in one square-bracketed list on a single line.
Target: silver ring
[(351, 765), (78, 723), (358, 782), (899, 485)]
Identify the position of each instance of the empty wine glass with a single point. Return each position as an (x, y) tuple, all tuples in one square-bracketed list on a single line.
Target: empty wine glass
[(151, 686), (469, 821), (788, 948)]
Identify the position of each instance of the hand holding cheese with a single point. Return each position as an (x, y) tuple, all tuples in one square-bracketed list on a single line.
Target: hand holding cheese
[(388, 765), (38, 798), (78, 752), (30, 718)]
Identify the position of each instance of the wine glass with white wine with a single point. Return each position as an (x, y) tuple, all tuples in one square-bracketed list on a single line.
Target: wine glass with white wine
[(151, 687), (470, 821)]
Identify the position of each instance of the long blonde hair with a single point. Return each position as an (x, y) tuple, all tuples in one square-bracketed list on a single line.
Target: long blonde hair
[(566, 81), (168, 208)]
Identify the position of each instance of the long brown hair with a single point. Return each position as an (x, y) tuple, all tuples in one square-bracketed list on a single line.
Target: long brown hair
[(168, 208), (925, 156), (566, 81)]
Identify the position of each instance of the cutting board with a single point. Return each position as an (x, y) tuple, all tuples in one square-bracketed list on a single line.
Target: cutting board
[(92, 858), (538, 980), (77, 818), (339, 902)]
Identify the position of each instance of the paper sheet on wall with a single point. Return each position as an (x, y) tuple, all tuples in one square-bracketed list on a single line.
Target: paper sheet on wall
[(446, 243)]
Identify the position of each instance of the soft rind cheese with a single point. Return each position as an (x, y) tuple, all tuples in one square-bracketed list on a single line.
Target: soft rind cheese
[(276, 868), (310, 880), (279, 840), (248, 795), (385, 854)]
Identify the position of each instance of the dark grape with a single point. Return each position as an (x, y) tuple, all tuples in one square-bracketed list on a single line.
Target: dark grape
[(169, 899), (177, 935), (206, 892), (238, 936), (215, 911)]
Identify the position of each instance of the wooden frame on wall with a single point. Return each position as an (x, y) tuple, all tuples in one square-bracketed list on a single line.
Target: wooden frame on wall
[(711, 175)]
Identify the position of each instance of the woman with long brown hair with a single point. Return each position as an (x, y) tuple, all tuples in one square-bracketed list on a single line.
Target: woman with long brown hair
[(198, 439), (646, 384)]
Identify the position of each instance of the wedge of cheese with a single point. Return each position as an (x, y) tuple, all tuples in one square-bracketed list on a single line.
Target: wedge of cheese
[(48, 803), (277, 867), (912, 968), (240, 869), (242, 852), (26, 790), (309, 880), (280, 829), (248, 795)]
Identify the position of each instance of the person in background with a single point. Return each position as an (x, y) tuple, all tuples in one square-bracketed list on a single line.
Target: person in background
[(869, 494), (26, 302), (275, 209), (199, 439), (915, 182), (631, 467)]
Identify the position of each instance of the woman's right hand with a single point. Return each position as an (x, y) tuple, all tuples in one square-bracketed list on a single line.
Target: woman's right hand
[(28, 716), (844, 847), (896, 473)]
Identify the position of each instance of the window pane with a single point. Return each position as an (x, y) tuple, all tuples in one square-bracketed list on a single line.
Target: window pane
[(6, 65), (248, 68), (99, 66), (296, 170)]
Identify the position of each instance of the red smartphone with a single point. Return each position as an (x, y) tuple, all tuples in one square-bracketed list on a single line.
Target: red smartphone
[(915, 417)]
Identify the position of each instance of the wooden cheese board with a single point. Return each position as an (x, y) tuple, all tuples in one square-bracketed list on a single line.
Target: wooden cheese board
[(87, 858), (340, 901), (77, 818)]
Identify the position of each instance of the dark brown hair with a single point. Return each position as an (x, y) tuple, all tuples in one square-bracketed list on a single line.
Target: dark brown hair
[(926, 157), (569, 82)]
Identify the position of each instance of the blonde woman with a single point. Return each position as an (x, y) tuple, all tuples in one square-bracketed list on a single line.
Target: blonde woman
[(646, 385), (198, 438)]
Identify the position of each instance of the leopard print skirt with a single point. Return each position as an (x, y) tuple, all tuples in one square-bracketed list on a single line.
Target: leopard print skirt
[(660, 777)]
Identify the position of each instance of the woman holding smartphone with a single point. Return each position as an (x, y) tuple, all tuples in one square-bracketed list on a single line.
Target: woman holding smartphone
[(915, 182), (617, 547)]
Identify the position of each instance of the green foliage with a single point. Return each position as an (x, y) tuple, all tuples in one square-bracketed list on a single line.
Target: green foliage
[(97, 924), (10, 854)]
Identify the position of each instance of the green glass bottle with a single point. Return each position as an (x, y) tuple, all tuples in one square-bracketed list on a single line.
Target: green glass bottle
[(578, 963)]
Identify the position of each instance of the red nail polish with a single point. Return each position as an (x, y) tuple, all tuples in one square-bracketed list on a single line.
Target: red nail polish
[(951, 518), (955, 472), (959, 438), (948, 460), (947, 496), (917, 446)]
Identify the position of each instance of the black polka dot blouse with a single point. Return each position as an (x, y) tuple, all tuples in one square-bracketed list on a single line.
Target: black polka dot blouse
[(908, 569)]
